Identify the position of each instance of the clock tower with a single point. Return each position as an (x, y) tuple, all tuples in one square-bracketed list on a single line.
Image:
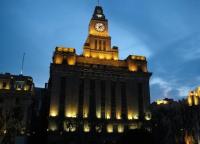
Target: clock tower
[(98, 43), (96, 92)]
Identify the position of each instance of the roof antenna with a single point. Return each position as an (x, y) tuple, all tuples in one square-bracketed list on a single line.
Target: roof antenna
[(22, 66), (98, 2)]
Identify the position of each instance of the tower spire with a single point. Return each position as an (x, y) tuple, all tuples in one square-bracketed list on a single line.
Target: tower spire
[(97, 2)]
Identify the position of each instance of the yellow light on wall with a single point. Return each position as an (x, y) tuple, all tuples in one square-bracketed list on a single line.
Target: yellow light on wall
[(85, 115), (71, 60), (53, 112), (98, 114), (196, 100), (87, 54), (101, 56), (189, 100), (108, 56), (110, 128), (133, 126), (134, 57), (107, 115), (86, 127), (115, 58), (94, 55), (58, 59), (70, 114), (136, 117), (118, 116), (52, 126), (120, 128), (148, 116), (130, 116), (159, 102), (26, 87), (73, 129), (132, 67)]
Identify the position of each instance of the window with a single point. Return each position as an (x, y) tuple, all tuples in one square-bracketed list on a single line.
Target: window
[(19, 85), (104, 45), (96, 44), (100, 44), (4, 85)]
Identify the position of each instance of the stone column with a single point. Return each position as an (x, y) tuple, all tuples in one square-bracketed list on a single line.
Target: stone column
[(108, 100), (98, 98), (118, 100), (86, 98), (54, 97)]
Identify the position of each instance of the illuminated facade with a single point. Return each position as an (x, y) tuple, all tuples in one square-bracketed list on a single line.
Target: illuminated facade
[(16, 95), (95, 91), (194, 97)]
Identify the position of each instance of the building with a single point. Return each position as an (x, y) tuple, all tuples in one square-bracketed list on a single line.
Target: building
[(194, 97), (96, 92), (16, 93)]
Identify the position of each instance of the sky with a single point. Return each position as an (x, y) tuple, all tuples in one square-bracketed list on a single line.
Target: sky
[(167, 32)]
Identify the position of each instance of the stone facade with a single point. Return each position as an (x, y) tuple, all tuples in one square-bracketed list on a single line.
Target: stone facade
[(16, 93), (96, 92)]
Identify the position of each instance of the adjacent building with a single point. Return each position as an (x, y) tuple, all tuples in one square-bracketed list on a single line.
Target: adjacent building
[(96, 92), (16, 93), (194, 97)]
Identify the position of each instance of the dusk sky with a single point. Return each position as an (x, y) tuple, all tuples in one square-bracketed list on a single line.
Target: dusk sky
[(167, 32)]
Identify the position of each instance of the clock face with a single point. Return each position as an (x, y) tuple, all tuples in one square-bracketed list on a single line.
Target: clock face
[(99, 27)]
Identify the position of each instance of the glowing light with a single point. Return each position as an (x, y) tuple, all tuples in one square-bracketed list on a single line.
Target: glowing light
[(52, 126), (130, 116), (87, 54), (71, 114), (94, 55), (134, 57), (73, 129), (108, 57), (133, 126), (26, 88), (196, 100), (98, 128), (120, 128), (71, 60), (53, 113), (58, 59), (101, 56), (132, 67), (107, 115), (115, 58), (148, 116), (85, 115), (62, 49), (98, 114), (194, 97), (110, 128), (118, 116), (86, 127), (190, 101), (136, 117), (189, 139), (159, 102)]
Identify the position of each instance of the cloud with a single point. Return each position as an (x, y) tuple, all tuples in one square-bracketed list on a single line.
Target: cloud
[(128, 43), (161, 88)]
